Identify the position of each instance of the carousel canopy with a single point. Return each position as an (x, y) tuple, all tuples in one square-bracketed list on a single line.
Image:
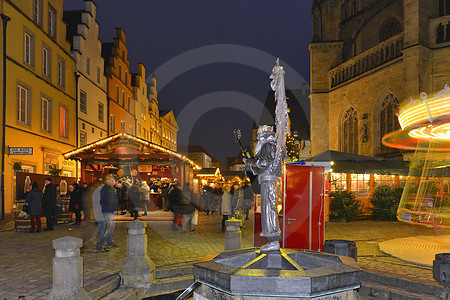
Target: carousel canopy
[(126, 149)]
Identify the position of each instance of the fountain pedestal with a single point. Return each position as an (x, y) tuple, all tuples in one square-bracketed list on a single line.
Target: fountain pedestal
[(284, 274)]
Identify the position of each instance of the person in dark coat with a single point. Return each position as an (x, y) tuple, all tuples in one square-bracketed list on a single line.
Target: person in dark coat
[(188, 207), (108, 203), (49, 204), (34, 200), (75, 203), (134, 195), (248, 198), (174, 197)]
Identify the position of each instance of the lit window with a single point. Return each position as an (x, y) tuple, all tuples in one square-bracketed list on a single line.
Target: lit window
[(61, 73), (63, 122), (46, 62), (112, 123), (51, 21), (88, 66), (83, 102), (98, 74), (46, 110), (100, 112), (349, 138), (83, 138), (28, 46), (23, 105)]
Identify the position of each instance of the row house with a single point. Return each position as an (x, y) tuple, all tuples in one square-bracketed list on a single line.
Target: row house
[(40, 91)]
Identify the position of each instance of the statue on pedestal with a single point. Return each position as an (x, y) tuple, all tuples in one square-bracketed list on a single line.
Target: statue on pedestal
[(270, 155)]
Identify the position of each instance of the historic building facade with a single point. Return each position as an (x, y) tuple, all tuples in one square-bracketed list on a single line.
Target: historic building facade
[(40, 90), (141, 103), (121, 106), (366, 57), (82, 32)]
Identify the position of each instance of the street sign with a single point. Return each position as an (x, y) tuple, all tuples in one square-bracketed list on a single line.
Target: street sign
[(20, 150)]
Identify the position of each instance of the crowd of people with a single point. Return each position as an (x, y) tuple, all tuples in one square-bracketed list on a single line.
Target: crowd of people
[(109, 197)]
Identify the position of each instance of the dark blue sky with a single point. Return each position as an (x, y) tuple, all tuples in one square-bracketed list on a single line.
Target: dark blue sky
[(203, 50)]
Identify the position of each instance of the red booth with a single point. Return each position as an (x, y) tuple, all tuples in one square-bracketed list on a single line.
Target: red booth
[(302, 211)]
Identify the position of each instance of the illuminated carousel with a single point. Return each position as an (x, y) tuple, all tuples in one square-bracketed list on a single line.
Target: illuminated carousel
[(425, 128)]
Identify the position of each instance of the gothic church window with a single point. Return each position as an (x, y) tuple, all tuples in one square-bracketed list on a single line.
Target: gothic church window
[(349, 131), (390, 28), (388, 121)]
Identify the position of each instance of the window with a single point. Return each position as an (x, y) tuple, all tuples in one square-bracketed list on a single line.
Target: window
[(83, 138), (143, 110), (123, 98), (23, 105), (128, 103), (63, 121), (100, 112), (132, 130), (93, 130), (101, 133), (83, 126), (390, 28), (123, 55), (61, 72), (112, 123), (28, 48), (138, 133), (46, 62), (117, 94), (98, 74), (51, 21), (120, 72), (126, 78), (83, 102), (37, 11), (388, 120), (122, 126), (349, 131), (46, 112), (88, 66)]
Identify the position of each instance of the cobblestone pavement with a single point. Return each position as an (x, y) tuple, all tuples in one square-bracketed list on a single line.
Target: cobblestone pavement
[(26, 259)]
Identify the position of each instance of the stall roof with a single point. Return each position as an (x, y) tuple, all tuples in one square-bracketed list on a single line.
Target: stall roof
[(360, 164), (126, 149)]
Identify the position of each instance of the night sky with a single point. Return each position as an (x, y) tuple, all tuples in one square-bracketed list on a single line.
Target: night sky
[(212, 58)]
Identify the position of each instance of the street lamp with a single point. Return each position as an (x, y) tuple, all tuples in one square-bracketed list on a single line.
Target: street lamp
[(5, 20)]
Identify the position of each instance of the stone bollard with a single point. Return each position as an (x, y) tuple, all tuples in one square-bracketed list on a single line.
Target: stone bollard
[(341, 247), (441, 268), (233, 234), (68, 270), (137, 270)]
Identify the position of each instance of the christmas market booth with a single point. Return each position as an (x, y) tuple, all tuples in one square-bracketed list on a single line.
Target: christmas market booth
[(128, 156)]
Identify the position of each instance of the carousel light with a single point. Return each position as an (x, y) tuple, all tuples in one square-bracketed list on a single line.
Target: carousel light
[(439, 132)]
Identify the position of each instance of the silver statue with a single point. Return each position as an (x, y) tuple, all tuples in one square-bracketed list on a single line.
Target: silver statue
[(270, 155)]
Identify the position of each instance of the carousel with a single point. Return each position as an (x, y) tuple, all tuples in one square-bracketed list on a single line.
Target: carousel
[(425, 128), (125, 155)]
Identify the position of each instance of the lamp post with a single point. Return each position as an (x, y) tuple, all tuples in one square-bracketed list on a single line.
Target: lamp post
[(5, 20)]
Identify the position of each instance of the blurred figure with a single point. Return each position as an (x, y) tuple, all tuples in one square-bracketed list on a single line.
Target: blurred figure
[(174, 197), (34, 200), (49, 203), (226, 205), (98, 215), (86, 200), (134, 195), (75, 203), (187, 208), (248, 198), (108, 202), (121, 189), (145, 196), (207, 197), (164, 192), (216, 198)]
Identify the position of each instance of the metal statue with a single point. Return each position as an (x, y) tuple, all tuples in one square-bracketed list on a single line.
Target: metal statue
[(270, 155)]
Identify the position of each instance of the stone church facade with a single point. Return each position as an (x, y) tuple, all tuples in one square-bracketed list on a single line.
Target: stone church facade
[(366, 57)]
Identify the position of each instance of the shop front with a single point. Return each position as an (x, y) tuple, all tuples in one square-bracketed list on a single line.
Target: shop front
[(130, 157)]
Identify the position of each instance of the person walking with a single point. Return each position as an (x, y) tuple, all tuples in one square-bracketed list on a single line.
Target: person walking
[(108, 202), (134, 195), (207, 197), (34, 200), (164, 187), (174, 197), (248, 198), (226, 205), (49, 203), (187, 208), (75, 203), (98, 215), (145, 196)]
